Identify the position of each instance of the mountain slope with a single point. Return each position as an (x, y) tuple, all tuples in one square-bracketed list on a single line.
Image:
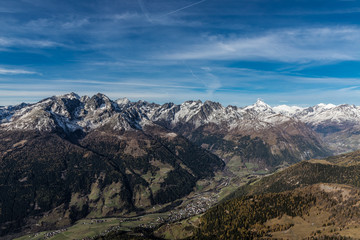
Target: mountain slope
[(338, 126), (68, 157), (254, 134), (321, 211), (342, 169), (316, 198)]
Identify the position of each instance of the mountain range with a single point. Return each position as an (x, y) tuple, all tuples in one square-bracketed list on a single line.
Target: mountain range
[(279, 132), (68, 157), (337, 125)]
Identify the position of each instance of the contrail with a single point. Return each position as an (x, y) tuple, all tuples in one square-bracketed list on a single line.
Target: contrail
[(144, 10), (180, 9), (193, 74)]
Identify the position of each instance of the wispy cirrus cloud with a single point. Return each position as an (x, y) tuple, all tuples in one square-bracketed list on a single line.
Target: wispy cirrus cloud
[(289, 45), (165, 18), (227, 51), (5, 71), (185, 7), (24, 42), (136, 83)]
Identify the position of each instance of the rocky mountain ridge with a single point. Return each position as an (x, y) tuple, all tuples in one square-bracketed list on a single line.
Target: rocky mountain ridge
[(72, 112), (337, 125), (268, 138)]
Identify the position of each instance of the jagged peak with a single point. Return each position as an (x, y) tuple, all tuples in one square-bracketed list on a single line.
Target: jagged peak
[(14, 107), (142, 103), (123, 101), (259, 106), (101, 96), (192, 102), (208, 102), (168, 105), (260, 102), (84, 98), (98, 100), (71, 95)]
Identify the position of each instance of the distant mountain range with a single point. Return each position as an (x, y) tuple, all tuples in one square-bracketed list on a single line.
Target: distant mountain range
[(337, 125), (67, 157), (281, 132)]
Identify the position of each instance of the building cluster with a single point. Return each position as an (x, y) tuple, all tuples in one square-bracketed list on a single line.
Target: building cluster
[(191, 209), (94, 221), (53, 233)]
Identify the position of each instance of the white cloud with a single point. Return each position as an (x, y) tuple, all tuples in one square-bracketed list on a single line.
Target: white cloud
[(16, 42), (75, 23), (15, 71), (125, 16), (130, 83), (296, 45)]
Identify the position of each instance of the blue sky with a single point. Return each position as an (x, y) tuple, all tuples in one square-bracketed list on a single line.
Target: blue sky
[(295, 52)]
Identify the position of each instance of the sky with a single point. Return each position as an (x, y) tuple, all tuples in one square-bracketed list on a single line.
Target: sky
[(294, 52)]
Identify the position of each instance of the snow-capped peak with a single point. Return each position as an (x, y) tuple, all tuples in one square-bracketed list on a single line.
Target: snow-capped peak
[(7, 112), (72, 112), (123, 101), (71, 95), (259, 101), (260, 107), (325, 106), (286, 110), (323, 113), (69, 112)]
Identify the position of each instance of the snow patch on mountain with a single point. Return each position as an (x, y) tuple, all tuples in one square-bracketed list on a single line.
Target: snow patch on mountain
[(71, 112), (286, 110), (7, 112), (323, 113), (260, 107)]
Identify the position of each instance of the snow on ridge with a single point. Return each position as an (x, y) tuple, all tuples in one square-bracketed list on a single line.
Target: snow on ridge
[(325, 106), (259, 107), (71, 95), (90, 113), (123, 101), (287, 110), (51, 113), (332, 113)]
